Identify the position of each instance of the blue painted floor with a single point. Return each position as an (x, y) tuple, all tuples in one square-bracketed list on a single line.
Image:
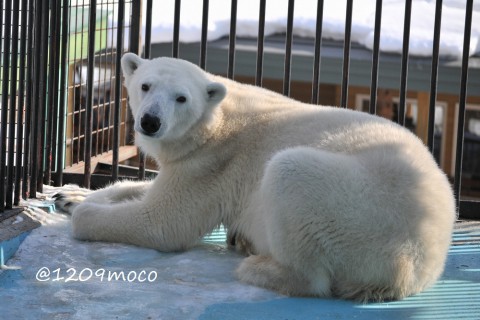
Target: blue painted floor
[(198, 284), (455, 296)]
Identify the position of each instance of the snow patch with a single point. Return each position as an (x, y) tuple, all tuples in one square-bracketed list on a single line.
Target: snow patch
[(363, 20)]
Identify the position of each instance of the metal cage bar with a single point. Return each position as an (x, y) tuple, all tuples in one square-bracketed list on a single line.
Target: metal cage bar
[(404, 70), (5, 76), (21, 99), (28, 104), (92, 18), (58, 178), (43, 120), (52, 99), (232, 38), (148, 30), (135, 30), (260, 44), (56, 115), (316, 58), (462, 105), (346, 54), (288, 49), (118, 88), (13, 105), (375, 57), (39, 105), (147, 50), (36, 93), (203, 41), (176, 29), (434, 73)]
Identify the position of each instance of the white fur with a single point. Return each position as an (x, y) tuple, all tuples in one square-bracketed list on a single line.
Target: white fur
[(332, 202)]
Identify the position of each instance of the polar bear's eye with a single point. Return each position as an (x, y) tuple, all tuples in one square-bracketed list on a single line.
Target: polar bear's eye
[(181, 99), (145, 87)]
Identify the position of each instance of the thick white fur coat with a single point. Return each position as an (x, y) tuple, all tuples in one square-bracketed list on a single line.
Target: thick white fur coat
[(330, 202)]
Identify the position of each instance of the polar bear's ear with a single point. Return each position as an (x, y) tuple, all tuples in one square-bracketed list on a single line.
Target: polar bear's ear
[(130, 63), (216, 92)]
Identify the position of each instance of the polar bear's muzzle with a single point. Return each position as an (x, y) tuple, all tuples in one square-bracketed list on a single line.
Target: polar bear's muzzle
[(149, 124)]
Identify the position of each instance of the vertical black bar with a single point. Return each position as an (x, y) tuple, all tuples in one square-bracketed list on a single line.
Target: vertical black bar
[(176, 29), (2, 196), (203, 42), (21, 100), (55, 50), (28, 104), (232, 37), (148, 30), (118, 87), (52, 111), (5, 77), (2, 162), (42, 96), (316, 59), (346, 54), (288, 49), (89, 103), (433, 79), (148, 40), (376, 50), (97, 106), (62, 83), (111, 80), (404, 72), (77, 86), (1, 24), (109, 112), (260, 43), (135, 32), (36, 102), (462, 102), (135, 26), (13, 104)]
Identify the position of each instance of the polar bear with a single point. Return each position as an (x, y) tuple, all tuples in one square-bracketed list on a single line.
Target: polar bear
[(326, 201)]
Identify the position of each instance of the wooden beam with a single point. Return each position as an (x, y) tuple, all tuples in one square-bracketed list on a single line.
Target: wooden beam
[(423, 102), (124, 153)]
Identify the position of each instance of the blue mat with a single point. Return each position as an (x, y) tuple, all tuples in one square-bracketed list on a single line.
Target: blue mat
[(455, 296)]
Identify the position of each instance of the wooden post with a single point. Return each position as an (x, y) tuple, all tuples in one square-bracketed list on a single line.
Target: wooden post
[(423, 100), (385, 104)]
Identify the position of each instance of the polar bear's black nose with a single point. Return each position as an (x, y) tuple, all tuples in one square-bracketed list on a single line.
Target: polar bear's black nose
[(150, 124)]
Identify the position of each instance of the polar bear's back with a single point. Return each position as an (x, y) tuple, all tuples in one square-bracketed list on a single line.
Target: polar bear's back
[(276, 118), (266, 123)]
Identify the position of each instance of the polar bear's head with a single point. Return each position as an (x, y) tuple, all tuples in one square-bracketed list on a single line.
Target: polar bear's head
[(168, 97)]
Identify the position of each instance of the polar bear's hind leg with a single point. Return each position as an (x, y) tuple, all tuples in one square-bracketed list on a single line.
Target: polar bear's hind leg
[(264, 271), (320, 232)]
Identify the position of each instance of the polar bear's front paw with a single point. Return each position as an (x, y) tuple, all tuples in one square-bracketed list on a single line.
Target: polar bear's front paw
[(67, 200), (82, 218)]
